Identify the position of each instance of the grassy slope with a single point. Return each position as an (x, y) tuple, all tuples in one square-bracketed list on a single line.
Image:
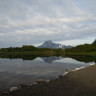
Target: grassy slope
[(86, 49)]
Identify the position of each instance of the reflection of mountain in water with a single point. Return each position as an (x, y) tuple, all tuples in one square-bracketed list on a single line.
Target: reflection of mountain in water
[(85, 59), (50, 59)]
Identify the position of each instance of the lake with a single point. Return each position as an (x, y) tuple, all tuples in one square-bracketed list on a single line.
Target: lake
[(20, 71)]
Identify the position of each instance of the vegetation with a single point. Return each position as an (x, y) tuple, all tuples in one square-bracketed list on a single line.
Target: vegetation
[(30, 50), (83, 48)]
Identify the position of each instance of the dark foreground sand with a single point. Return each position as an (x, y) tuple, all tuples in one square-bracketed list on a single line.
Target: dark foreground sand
[(77, 83)]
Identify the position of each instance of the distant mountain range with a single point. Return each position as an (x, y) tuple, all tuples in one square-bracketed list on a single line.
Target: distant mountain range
[(50, 44)]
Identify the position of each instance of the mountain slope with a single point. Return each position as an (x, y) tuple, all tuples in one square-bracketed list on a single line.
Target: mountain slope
[(94, 43), (50, 44)]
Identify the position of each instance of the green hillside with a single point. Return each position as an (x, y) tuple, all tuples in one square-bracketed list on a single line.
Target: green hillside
[(82, 48), (94, 43)]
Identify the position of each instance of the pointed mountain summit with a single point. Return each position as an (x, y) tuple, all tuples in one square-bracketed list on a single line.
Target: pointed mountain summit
[(94, 43), (50, 44)]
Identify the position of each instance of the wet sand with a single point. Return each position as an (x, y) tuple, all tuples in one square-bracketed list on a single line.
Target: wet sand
[(77, 83)]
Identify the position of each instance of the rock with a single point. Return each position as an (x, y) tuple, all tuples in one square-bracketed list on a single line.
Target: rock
[(92, 64), (0, 94), (40, 81), (82, 67), (23, 85), (65, 73), (77, 69), (47, 80), (13, 89), (70, 71), (4, 93)]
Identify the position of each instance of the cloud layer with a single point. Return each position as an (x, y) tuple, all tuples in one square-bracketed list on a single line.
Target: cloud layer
[(34, 21)]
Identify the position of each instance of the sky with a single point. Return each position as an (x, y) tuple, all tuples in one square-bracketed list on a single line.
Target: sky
[(31, 22)]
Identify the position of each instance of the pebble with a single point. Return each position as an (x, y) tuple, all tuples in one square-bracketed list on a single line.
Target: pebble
[(13, 89), (40, 81), (65, 73), (92, 64)]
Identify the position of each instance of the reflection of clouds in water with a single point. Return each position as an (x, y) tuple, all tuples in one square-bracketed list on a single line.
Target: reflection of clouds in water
[(36, 66), (71, 61)]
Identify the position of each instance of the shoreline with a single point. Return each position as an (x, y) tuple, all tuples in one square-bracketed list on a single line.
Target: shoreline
[(79, 82)]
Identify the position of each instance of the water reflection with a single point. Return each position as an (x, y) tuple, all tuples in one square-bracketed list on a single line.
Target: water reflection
[(50, 59), (31, 68), (83, 58)]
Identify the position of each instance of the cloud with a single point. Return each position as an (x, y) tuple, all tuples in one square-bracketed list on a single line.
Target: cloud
[(34, 21)]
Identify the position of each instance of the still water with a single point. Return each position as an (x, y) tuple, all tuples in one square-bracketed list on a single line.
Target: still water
[(18, 71)]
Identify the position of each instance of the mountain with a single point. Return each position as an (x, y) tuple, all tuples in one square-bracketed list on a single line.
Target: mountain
[(50, 44), (94, 43)]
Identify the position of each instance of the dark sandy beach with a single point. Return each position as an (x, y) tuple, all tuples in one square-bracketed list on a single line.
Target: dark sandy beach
[(77, 83)]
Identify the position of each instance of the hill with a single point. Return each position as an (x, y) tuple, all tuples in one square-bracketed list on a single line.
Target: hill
[(83, 48)]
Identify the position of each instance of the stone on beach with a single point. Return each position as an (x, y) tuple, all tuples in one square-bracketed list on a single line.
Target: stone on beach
[(70, 71), (77, 68), (92, 64), (13, 89), (82, 67), (65, 73), (40, 81), (4, 93)]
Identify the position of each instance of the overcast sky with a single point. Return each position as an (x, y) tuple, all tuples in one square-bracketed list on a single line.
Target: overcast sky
[(69, 22)]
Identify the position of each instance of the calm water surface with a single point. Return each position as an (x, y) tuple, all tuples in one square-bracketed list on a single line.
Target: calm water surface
[(17, 71)]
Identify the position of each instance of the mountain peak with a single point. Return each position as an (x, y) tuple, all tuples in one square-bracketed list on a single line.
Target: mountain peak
[(94, 43), (50, 44), (48, 41)]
